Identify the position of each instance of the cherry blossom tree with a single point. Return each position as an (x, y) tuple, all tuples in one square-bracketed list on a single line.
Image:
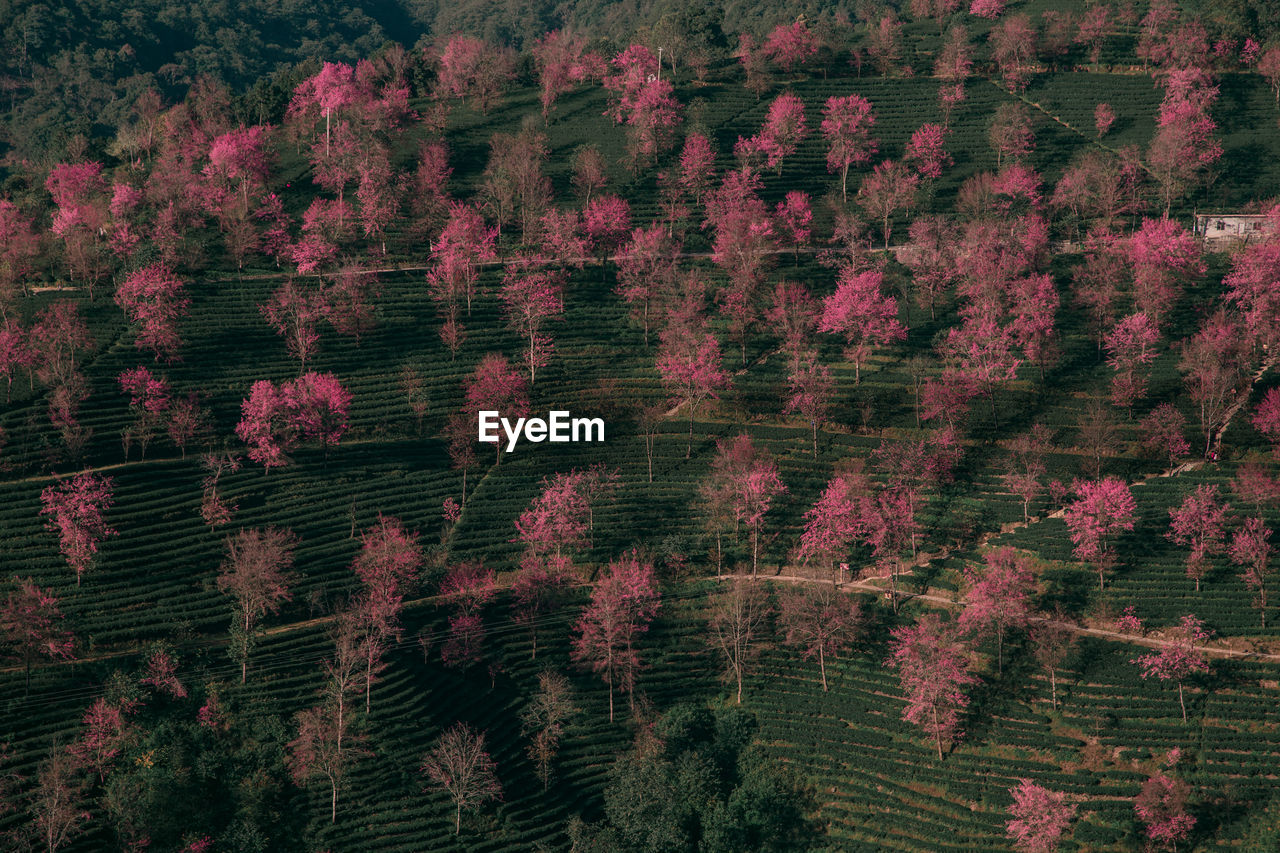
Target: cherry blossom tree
[(646, 272), (1162, 806), (1164, 258), (697, 165), (1038, 818), (860, 312), (1052, 640), (820, 621), (265, 425), (753, 496), (1027, 466), (738, 617), (991, 9), (149, 401), (531, 298), (623, 603), (1251, 549), (76, 508), (1103, 119), (294, 312), (1253, 286), (790, 45), (846, 125), (890, 188), (1164, 432), (535, 593), (1130, 346), (318, 750), (1180, 657), (555, 523), (495, 386), (1010, 132), (884, 42), (460, 764), (927, 153), (558, 55), (690, 365), (107, 731), (19, 247), (606, 222), (153, 299), (1013, 48), (1198, 524), (795, 220), (933, 667), (1103, 509), (31, 625), (998, 598), (1095, 23), (1214, 372), (468, 588), (256, 575), (810, 389)]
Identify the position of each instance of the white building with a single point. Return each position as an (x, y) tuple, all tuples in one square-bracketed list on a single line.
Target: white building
[(1221, 229)]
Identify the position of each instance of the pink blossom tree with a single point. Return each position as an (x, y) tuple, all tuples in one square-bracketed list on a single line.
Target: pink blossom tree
[(689, 363), (1251, 549), (933, 667), (646, 272), (265, 425), (1181, 656), (1039, 818), (497, 386), (846, 125), (295, 312), (1164, 258), (998, 598), (256, 575), (1103, 119), (31, 624), (790, 45), (1198, 524), (810, 390), (834, 524), (623, 603), (317, 407), (77, 508), (1130, 346), (1213, 368), (927, 153), (1103, 509), (820, 621), (1162, 806), (1164, 432), (149, 400), (890, 188), (532, 298), (754, 493), (153, 299), (606, 222), (697, 165), (860, 312)]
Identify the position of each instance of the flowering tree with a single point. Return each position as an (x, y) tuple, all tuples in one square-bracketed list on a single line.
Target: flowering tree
[(1103, 118), (623, 603), (19, 247), (890, 188), (1163, 431), (738, 616), (697, 165), (106, 733), (1130, 346), (495, 386), (933, 667), (76, 508), (1213, 370), (860, 312), (998, 598), (606, 222), (1198, 524), (690, 365), (646, 271), (1039, 818), (387, 567), (265, 425), (833, 524), (255, 575), (294, 312), (1104, 508), (1052, 640), (927, 153), (460, 764), (1251, 549), (810, 389), (149, 401), (555, 523), (821, 622), (1164, 257), (318, 750), (753, 496), (1162, 806), (1180, 657), (531, 299), (535, 593), (153, 299), (31, 625), (790, 45), (846, 125)]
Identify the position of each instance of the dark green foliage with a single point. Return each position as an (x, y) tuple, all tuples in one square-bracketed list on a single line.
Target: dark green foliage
[(695, 783)]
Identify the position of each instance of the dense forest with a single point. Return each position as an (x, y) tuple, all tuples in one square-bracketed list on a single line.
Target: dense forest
[(934, 346)]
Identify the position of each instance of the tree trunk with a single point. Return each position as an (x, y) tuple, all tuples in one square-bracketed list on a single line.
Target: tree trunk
[(1053, 687), (1182, 703), (937, 732), (822, 666)]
